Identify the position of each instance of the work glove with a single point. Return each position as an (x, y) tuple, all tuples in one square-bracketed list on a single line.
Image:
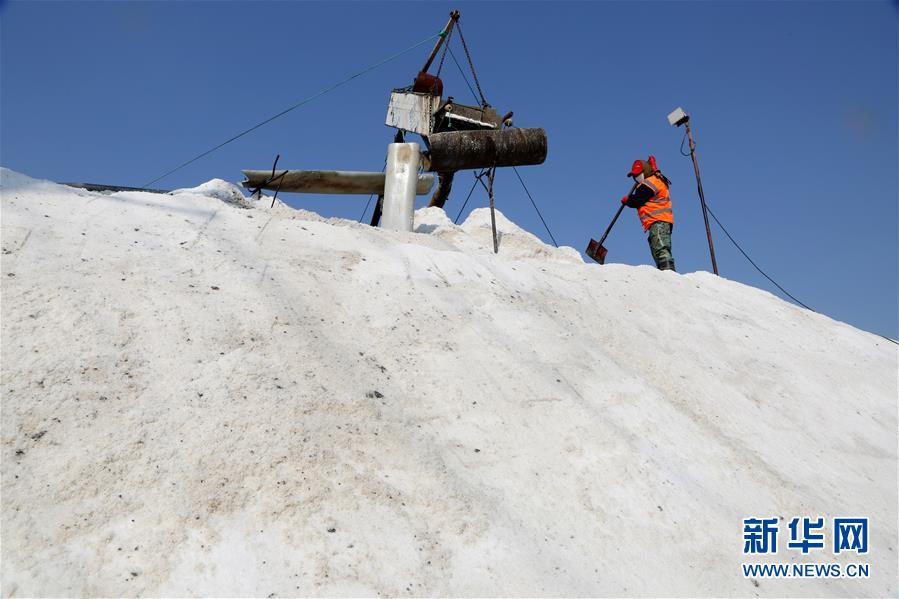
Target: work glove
[(624, 200)]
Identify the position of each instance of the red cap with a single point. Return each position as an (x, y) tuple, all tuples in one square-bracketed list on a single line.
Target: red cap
[(636, 169)]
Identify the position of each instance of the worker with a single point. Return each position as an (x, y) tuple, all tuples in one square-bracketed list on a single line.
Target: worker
[(650, 197)]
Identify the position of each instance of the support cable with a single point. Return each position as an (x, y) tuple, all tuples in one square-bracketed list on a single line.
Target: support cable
[(517, 174), (383, 168), (751, 261), (775, 283), (470, 191), (462, 72), (474, 74), (535, 206), (366, 207), (295, 106)]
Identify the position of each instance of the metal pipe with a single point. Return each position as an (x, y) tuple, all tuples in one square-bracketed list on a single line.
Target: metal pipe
[(444, 185), (492, 210), (399, 188), (464, 150), (329, 182), (705, 215)]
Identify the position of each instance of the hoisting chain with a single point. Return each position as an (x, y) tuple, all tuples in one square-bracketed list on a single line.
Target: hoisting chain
[(471, 65), (446, 43)]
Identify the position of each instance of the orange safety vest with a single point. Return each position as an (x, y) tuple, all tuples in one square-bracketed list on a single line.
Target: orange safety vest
[(658, 208)]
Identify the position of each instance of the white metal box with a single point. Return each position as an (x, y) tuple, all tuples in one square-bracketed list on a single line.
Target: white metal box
[(412, 111)]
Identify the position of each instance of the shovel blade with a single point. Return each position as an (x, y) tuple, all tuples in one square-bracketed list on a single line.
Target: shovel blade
[(596, 251)]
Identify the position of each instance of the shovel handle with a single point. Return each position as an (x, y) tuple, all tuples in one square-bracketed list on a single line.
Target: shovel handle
[(611, 224), (617, 214)]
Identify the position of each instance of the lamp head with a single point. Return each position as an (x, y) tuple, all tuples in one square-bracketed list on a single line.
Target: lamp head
[(678, 117)]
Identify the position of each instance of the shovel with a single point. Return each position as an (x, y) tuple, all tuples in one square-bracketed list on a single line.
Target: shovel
[(595, 249)]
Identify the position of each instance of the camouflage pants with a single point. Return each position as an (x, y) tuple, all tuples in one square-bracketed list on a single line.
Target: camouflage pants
[(660, 245)]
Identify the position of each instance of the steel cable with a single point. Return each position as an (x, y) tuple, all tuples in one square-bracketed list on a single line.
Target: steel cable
[(764, 274), (470, 191), (295, 106), (474, 74), (535, 206), (462, 72), (751, 261)]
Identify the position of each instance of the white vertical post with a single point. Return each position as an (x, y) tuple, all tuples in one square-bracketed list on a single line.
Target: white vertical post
[(401, 178)]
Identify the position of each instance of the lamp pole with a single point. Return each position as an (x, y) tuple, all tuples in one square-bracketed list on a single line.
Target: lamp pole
[(705, 214)]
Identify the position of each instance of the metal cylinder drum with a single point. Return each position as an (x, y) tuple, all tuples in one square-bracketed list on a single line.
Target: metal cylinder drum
[(401, 176), (462, 150)]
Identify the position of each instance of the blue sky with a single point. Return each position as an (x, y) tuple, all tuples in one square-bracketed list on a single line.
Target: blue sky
[(794, 108)]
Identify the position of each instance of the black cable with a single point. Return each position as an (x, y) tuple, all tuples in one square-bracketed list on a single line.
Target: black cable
[(787, 293), (480, 177), (366, 207), (383, 168), (297, 105), (682, 145), (470, 191), (462, 72), (535, 206)]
